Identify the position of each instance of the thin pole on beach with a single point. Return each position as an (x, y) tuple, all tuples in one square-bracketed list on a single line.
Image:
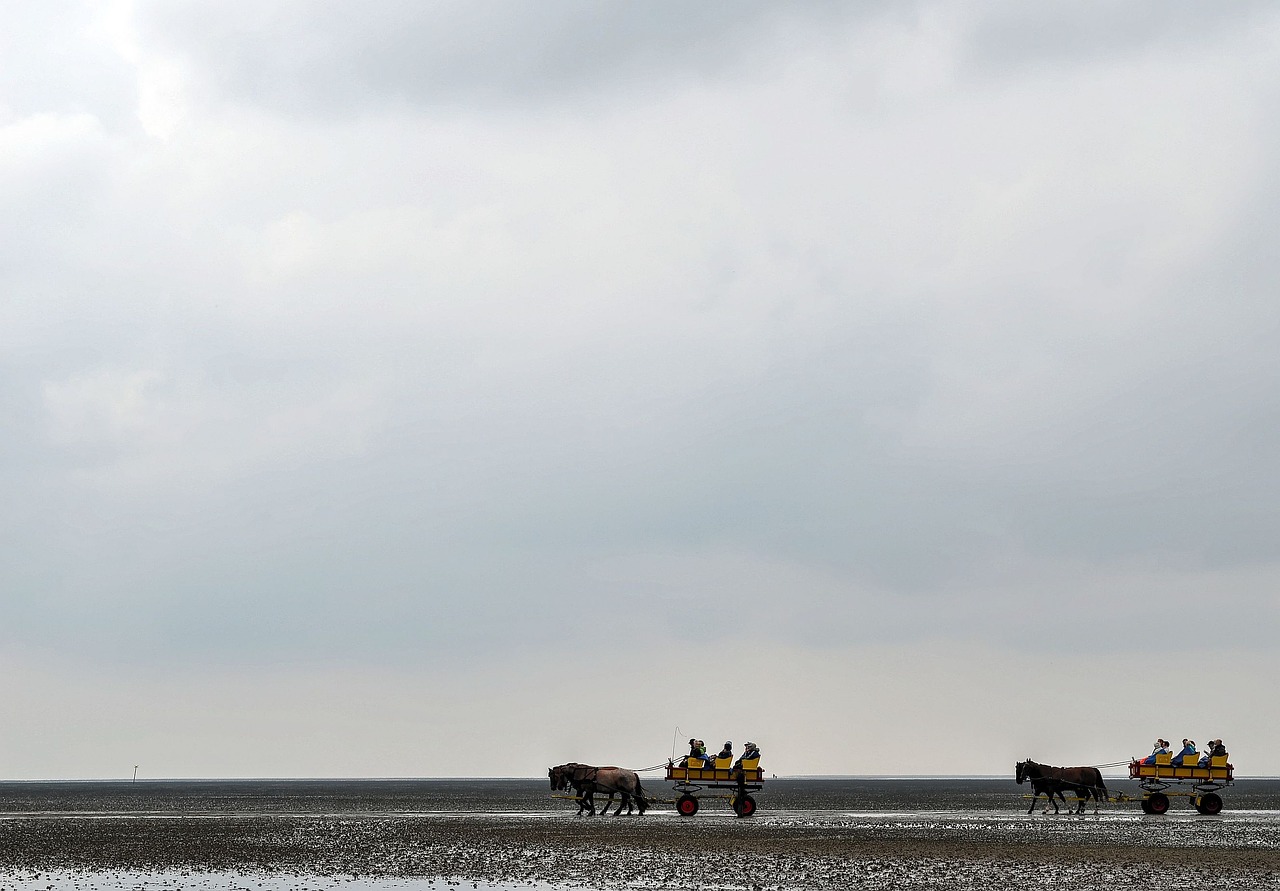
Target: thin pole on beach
[(135, 773)]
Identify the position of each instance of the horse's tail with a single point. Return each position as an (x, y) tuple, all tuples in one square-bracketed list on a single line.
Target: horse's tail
[(640, 798), (1100, 788)]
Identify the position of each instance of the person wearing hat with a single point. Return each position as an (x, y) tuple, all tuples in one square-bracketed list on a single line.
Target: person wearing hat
[(1214, 749), (751, 751), (726, 752)]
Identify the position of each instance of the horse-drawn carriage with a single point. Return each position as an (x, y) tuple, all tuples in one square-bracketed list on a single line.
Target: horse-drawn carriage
[(582, 782), (1157, 780), (1162, 774), (692, 775)]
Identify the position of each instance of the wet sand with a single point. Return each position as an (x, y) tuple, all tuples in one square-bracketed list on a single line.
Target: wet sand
[(821, 834), (664, 851)]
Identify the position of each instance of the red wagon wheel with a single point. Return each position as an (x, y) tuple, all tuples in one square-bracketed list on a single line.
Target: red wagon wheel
[(687, 805), (1209, 804), (1157, 803), (744, 806)]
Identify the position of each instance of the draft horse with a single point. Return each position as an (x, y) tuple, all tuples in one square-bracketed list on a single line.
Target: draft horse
[(586, 780), (1084, 782)]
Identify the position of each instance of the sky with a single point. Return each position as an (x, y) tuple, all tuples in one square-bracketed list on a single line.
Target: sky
[(452, 389)]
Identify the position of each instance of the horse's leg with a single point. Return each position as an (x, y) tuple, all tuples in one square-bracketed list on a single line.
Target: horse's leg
[(1035, 794)]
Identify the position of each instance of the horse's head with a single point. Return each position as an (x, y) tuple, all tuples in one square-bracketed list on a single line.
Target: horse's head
[(1028, 770), (553, 774)]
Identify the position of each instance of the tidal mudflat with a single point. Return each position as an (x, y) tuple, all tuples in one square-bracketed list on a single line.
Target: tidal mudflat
[(972, 834)]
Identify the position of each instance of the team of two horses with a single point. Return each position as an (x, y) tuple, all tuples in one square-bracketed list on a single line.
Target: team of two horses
[(1083, 782), (585, 781)]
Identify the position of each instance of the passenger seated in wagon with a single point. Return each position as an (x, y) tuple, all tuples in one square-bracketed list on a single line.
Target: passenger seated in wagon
[(725, 757), (1188, 751), (1161, 748), (750, 753), (1215, 749), (697, 756)]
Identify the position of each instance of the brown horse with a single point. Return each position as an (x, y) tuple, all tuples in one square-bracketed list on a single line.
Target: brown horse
[(587, 780), (1084, 782)]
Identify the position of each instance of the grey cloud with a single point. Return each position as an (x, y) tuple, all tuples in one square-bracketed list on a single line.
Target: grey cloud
[(349, 56), (804, 389), (1007, 34)]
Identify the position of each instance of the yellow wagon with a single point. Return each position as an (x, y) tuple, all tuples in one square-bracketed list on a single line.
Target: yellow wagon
[(1157, 778), (693, 775)]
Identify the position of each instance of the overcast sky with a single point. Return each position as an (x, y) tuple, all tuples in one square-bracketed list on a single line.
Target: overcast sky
[(429, 389)]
